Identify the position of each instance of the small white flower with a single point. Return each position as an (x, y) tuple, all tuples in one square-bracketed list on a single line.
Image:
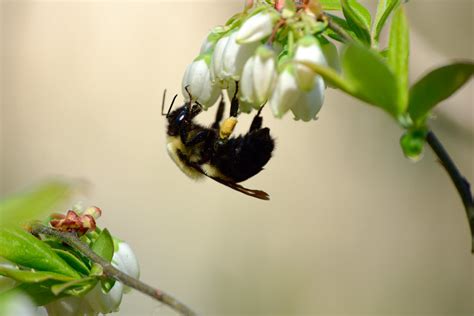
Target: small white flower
[(217, 59), (229, 58), (285, 94), (197, 78), (309, 50), (258, 77), (101, 302), (309, 103), (17, 303), (257, 27), (234, 58), (126, 261)]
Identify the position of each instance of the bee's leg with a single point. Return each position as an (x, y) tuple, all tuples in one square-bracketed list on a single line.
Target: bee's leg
[(234, 103), (219, 113), (257, 121)]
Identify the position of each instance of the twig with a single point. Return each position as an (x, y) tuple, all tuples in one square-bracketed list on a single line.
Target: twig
[(460, 182), (110, 271), (336, 28)]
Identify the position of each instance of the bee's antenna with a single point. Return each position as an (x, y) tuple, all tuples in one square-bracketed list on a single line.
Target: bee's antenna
[(171, 106), (163, 104)]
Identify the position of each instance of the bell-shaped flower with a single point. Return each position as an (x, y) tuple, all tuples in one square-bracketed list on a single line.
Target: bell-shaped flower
[(258, 77), (287, 95), (286, 92), (197, 78), (104, 303), (309, 103), (126, 261), (18, 303), (228, 62), (217, 59), (257, 27), (308, 50)]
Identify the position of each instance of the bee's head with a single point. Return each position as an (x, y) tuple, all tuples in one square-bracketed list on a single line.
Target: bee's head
[(182, 117)]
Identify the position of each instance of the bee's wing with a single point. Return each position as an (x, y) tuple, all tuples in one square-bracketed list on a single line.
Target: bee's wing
[(258, 194)]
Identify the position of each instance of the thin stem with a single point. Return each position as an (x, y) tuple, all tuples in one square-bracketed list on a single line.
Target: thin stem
[(110, 271), (336, 28), (460, 182)]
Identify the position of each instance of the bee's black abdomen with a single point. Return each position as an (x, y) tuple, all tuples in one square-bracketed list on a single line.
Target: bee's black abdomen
[(243, 157)]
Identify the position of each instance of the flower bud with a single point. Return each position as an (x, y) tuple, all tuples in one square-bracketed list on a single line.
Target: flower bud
[(197, 78), (257, 27), (308, 50), (258, 77)]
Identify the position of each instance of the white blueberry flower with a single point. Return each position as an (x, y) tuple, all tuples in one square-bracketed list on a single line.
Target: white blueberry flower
[(285, 94), (126, 261), (258, 77), (257, 27), (17, 303), (217, 60), (309, 103), (104, 303), (308, 50), (197, 78), (229, 58)]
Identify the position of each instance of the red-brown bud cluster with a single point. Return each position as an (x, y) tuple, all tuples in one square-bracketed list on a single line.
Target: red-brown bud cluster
[(77, 223)]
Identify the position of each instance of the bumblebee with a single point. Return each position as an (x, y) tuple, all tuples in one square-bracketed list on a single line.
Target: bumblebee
[(201, 151)]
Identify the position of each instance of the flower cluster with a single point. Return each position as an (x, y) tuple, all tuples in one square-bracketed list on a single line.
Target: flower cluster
[(260, 51), (70, 283)]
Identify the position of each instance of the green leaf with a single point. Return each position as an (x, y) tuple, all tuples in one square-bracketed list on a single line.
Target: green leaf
[(374, 82), (30, 205), (398, 56), (76, 263), (331, 5), (437, 86), (358, 19), (104, 245), (39, 292), (22, 248), (27, 276), (384, 8), (75, 287), (107, 284)]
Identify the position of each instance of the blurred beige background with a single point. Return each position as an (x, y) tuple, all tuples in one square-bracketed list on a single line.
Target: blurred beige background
[(352, 228)]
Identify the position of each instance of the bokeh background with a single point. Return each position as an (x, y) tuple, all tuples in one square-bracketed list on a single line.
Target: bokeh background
[(352, 228)]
